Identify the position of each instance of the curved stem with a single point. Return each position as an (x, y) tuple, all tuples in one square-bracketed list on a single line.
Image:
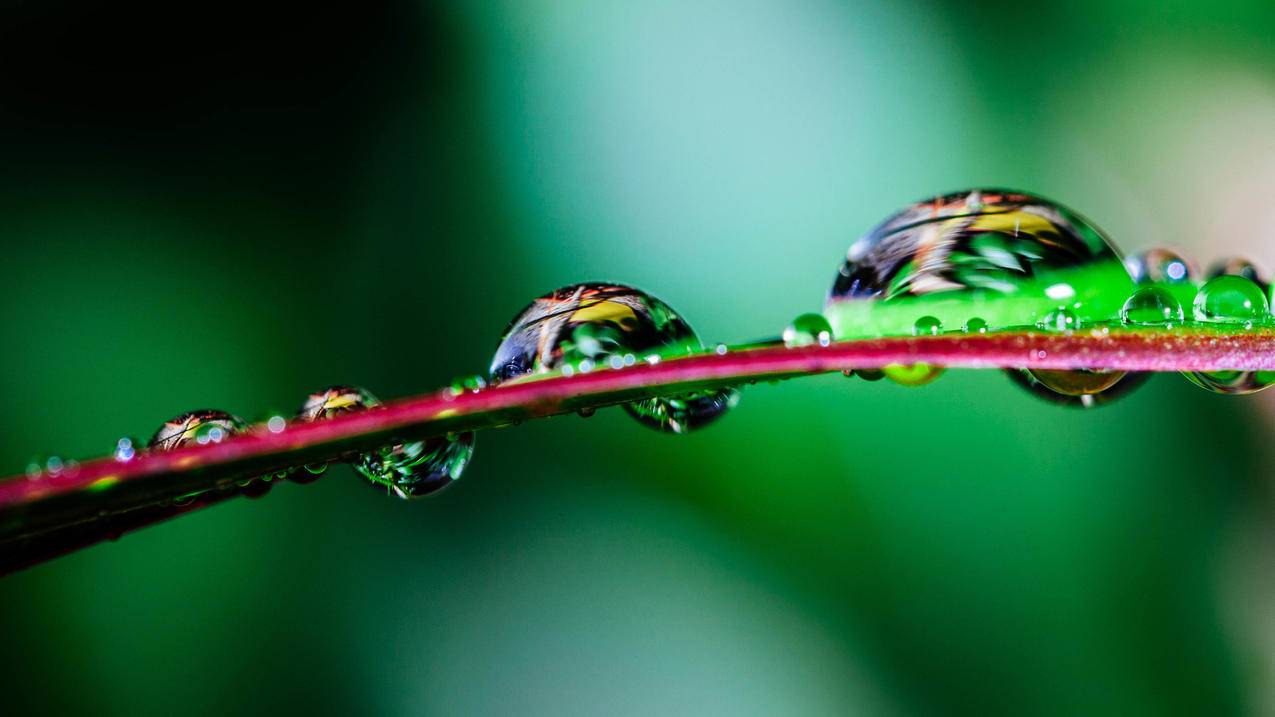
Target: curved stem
[(49, 515)]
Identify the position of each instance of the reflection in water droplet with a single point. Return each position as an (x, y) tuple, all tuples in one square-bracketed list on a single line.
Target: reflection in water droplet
[(195, 428), (1013, 256), (1151, 306), (588, 324), (1237, 266), (1159, 266), (1231, 299), (807, 330), (1233, 383)]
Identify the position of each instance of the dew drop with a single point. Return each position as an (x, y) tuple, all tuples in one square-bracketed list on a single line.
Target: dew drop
[(125, 449), (870, 374), (1230, 299), (917, 374), (927, 326), (808, 330), (1159, 266), (1070, 390), (1231, 383), (276, 424), (1151, 306), (418, 469), (406, 470), (975, 326), (1060, 319), (200, 427), (587, 325)]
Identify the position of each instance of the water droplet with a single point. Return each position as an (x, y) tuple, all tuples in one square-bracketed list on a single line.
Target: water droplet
[(125, 449), (912, 375), (927, 326), (1060, 319), (334, 401), (808, 330), (1013, 255), (195, 428), (870, 374), (35, 468), (1081, 389), (418, 469), (1159, 266), (1151, 306), (1232, 383), (587, 412), (975, 326), (1231, 299), (276, 424), (587, 324)]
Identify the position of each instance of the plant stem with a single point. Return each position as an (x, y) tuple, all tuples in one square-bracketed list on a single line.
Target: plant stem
[(50, 515)]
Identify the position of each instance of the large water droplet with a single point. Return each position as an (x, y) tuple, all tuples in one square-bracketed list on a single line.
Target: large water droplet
[(1008, 257), (1151, 306), (200, 427), (1073, 388), (808, 330), (1233, 383), (1230, 299), (1159, 266), (583, 326)]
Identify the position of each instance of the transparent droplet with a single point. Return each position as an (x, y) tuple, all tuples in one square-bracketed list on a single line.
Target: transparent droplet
[(1151, 306), (1159, 266), (1075, 388), (917, 374), (418, 469), (195, 428), (1232, 383), (927, 326), (334, 401), (276, 424), (808, 330), (125, 449), (1014, 256), (585, 325), (975, 326), (35, 468), (1060, 319), (1230, 299)]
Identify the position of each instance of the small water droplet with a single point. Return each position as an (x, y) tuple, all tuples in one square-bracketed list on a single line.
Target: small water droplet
[(1231, 299), (927, 326), (721, 349), (975, 326), (1151, 306), (917, 374), (588, 324), (587, 412), (195, 428), (869, 374), (1060, 319), (125, 449), (35, 468), (276, 424), (808, 330)]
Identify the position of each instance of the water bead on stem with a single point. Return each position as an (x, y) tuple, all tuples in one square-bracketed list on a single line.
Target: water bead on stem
[(1159, 266), (1231, 299), (583, 326), (195, 428), (808, 330), (1151, 306)]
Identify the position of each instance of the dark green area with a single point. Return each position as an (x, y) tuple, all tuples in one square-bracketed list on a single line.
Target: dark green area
[(234, 210)]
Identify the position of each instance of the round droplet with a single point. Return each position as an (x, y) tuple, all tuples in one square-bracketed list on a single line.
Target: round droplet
[(125, 449), (1230, 299), (1231, 383), (870, 374), (585, 326), (1151, 306), (917, 374), (1159, 266), (1237, 266), (1075, 388), (975, 326), (1060, 319), (334, 401), (1016, 256), (276, 424), (195, 428), (808, 330), (927, 326), (415, 470)]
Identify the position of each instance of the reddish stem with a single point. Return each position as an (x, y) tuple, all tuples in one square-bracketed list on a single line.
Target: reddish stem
[(102, 498)]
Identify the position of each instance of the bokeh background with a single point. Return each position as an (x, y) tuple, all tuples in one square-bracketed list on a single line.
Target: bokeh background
[(235, 204)]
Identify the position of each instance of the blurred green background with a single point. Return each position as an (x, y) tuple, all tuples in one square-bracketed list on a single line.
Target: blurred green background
[(234, 206)]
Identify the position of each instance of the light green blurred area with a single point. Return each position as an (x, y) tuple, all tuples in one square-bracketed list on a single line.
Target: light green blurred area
[(833, 546)]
